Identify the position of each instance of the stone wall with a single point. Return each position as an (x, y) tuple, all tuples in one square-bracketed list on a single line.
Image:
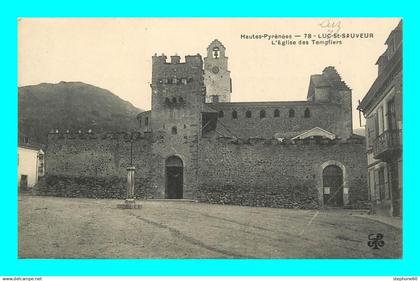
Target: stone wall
[(324, 115), (253, 172), (186, 149), (94, 166), (269, 173), (88, 186)]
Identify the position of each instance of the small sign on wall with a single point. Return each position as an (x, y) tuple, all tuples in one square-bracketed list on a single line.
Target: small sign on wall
[(326, 190), (346, 190)]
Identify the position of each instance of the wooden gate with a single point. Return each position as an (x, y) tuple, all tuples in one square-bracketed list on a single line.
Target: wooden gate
[(174, 178), (333, 186)]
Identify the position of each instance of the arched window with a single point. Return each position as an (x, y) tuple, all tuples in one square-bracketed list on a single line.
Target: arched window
[(146, 121), (248, 114), (276, 113), (181, 100), (216, 52), (221, 114), (291, 113), (167, 101), (139, 118), (174, 130), (307, 113), (262, 114), (174, 100), (234, 114)]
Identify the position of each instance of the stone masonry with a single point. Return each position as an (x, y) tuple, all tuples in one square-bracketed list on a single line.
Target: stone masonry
[(271, 154)]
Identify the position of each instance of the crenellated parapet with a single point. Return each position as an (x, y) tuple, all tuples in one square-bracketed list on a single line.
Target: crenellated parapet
[(191, 60), (175, 72), (57, 135), (282, 142)]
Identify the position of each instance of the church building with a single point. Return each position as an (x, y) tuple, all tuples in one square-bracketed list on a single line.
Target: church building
[(196, 144)]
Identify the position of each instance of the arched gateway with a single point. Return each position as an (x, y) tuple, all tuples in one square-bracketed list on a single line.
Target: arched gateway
[(174, 170), (332, 178)]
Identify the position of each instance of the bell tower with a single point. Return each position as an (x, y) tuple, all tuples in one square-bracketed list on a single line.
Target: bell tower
[(216, 74)]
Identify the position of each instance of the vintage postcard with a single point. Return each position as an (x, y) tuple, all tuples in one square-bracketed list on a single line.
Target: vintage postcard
[(220, 138)]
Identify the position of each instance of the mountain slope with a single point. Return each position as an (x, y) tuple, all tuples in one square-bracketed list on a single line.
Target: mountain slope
[(71, 106)]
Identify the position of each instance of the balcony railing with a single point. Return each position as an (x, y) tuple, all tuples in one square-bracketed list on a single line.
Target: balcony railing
[(387, 145)]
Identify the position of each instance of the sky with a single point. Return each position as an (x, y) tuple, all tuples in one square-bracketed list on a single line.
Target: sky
[(116, 53)]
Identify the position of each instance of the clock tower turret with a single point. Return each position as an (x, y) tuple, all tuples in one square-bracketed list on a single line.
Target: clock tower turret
[(216, 73)]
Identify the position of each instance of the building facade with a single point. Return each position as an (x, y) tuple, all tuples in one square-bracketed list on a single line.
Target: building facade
[(30, 165), (196, 144), (382, 108)]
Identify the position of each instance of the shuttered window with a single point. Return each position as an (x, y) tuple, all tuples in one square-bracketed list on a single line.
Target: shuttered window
[(381, 183), (371, 130), (387, 184), (377, 184), (372, 184), (380, 121)]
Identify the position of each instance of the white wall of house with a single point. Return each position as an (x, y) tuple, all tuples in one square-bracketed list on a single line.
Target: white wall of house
[(28, 164)]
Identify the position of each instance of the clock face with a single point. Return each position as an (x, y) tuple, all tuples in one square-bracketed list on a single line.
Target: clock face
[(215, 69)]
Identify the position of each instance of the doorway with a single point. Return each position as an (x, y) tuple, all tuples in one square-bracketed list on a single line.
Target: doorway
[(174, 170), (23, 182), (332, 178)]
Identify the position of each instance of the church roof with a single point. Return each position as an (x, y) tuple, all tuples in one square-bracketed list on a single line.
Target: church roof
[(287, 135), (316, 132)]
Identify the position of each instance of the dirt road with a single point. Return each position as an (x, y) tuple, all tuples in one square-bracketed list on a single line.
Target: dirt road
[(52, 227)]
